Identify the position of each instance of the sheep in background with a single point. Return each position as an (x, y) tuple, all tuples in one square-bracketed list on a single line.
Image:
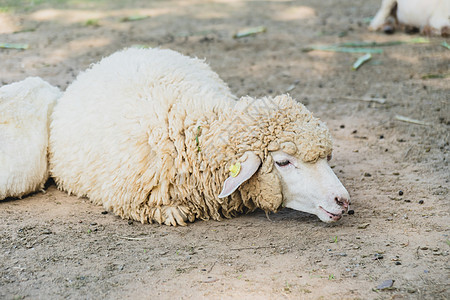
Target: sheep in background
[(431, 17), (25, 109), (156, 136)]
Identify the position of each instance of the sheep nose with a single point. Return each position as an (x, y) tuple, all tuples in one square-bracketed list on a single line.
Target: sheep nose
[(342, 201)]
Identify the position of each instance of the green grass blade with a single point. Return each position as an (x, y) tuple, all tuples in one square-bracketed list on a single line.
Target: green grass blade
[(360, 61), (14, 46), (249, 31), (134, 18), (343, 49), (435, 76), (419, 40)]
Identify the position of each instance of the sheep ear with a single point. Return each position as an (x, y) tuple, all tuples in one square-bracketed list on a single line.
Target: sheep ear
[(248, 168)]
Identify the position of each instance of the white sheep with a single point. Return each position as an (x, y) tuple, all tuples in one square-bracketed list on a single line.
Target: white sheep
[(429, 16), (157, 136), (24, 124)]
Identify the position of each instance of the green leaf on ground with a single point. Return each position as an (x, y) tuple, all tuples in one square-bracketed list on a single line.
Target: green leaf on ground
[(361, 60), (249, 31), (14, 46), (134, 18)]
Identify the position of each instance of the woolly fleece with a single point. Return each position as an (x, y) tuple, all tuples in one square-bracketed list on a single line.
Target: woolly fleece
[(150, 134), (25, 107)]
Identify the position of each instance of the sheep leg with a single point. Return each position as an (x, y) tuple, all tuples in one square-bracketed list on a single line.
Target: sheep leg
[(381, 18), (428, 30), (440, 22)]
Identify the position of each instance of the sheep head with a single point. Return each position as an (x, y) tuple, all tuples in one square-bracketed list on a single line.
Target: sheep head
[(284, 161)]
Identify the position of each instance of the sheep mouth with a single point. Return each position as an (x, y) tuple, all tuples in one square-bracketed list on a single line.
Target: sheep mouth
[(334, 217)]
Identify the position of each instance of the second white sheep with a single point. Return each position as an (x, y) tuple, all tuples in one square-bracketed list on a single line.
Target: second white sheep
[(431, 17)]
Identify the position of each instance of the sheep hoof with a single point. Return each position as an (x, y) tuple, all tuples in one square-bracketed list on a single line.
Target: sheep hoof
[(174, 215), (413, 30), (388, 29)]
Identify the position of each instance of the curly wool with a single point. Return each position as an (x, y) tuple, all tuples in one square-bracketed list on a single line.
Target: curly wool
[(150, 134)]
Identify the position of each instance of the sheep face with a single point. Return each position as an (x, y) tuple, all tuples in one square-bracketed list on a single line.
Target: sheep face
[(310, 187), (283, 179)]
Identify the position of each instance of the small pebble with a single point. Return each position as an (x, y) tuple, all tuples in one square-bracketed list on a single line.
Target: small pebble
[(104, 212), (386, 284), (397, 263), (354, 131), (342, 126), (407, 200), (378, 256), (210, 280), (351, 212), (130, 222), (93, 224), (381, 137), (400, 193), (367, 174), (420, 201)]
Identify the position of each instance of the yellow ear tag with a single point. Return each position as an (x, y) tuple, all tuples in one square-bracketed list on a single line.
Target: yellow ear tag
[(235, 169)]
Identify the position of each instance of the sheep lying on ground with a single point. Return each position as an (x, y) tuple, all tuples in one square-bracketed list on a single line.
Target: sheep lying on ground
[(429, 16), (24, 124), (154, 136)]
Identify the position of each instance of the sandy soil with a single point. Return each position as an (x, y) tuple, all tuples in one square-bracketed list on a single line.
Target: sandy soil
[(55, 246)]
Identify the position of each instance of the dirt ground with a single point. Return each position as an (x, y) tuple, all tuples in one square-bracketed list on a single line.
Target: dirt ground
[(55, 246)]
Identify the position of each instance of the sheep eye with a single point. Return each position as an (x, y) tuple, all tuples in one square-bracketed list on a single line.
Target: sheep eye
[(283, 163)]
